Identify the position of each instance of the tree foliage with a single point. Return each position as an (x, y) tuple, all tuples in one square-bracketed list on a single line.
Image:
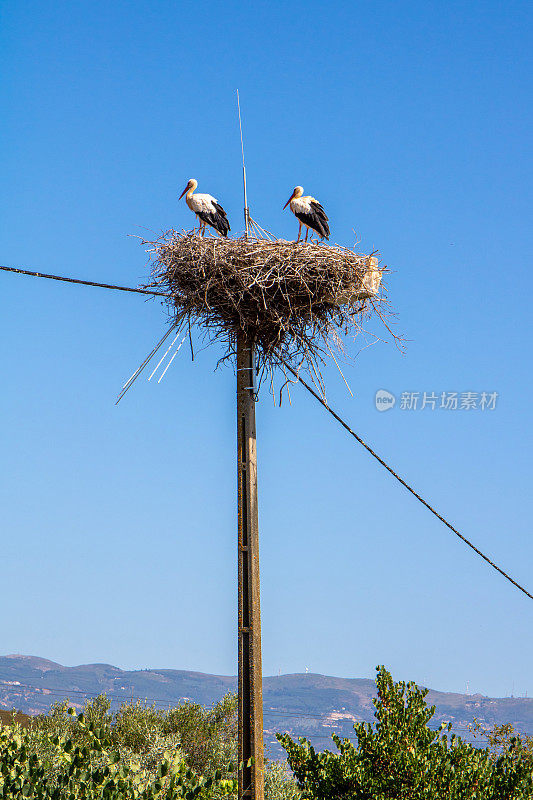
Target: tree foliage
[(138, 751), (502, 738), (400, 757), (82, 764), (205, 738)]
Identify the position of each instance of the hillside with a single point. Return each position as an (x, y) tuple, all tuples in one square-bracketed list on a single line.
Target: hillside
[(303, 704)]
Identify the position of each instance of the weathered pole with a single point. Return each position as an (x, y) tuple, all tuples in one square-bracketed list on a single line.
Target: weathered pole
[(250, 699), (250, 690)]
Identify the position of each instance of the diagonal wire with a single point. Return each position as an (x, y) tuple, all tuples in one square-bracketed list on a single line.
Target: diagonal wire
[(84, 283), (171, 359), (129, 383), (309, 389), (167, 351), (404, 483)]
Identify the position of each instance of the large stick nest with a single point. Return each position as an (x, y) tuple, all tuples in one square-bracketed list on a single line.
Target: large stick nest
[(294, 301)]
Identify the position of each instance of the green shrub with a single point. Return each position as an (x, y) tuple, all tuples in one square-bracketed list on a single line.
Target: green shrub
[(205, 739), (400, 757), (279, 782), (502, 738), (208, 737), (134, 744), (82, 764)]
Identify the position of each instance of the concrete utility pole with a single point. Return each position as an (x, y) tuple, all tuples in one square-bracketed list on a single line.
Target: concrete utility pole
[(250, 714)]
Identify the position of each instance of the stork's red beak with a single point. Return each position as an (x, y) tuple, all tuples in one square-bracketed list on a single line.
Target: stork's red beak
[(183, 192), (288, 201)]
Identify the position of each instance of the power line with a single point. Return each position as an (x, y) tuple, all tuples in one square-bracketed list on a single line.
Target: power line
[(83, 283), (401, 480), (317, 397), (127, 693), (128, 696)]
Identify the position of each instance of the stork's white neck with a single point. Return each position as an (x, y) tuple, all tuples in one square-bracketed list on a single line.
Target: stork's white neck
[(194, 186)]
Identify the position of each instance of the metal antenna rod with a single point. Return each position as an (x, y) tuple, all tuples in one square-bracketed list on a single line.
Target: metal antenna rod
[(246, 209)]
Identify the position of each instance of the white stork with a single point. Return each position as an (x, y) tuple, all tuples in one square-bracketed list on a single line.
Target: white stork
[(206, 208), (308, 212)]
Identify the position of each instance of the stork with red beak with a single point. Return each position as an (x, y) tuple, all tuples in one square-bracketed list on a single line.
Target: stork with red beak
[(206, 208), (308, 212)]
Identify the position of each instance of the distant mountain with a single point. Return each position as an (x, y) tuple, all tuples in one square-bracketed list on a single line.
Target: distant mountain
[(308, 705)]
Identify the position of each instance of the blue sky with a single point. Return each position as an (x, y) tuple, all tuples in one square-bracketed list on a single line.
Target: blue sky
[(411, 123)]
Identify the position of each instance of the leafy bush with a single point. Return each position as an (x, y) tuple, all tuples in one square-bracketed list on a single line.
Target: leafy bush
[(400, 757), (82, 765), (279, 782), (205, 739), (208, 737), (142, 748), (135, 732), (502, 738)]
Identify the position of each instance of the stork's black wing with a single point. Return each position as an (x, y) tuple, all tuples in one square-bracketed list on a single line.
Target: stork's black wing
[(316, 219), (321, 217), (217, 219)]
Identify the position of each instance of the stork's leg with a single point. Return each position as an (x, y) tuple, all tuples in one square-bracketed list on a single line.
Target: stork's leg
[(299, 232), (306, 232)]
